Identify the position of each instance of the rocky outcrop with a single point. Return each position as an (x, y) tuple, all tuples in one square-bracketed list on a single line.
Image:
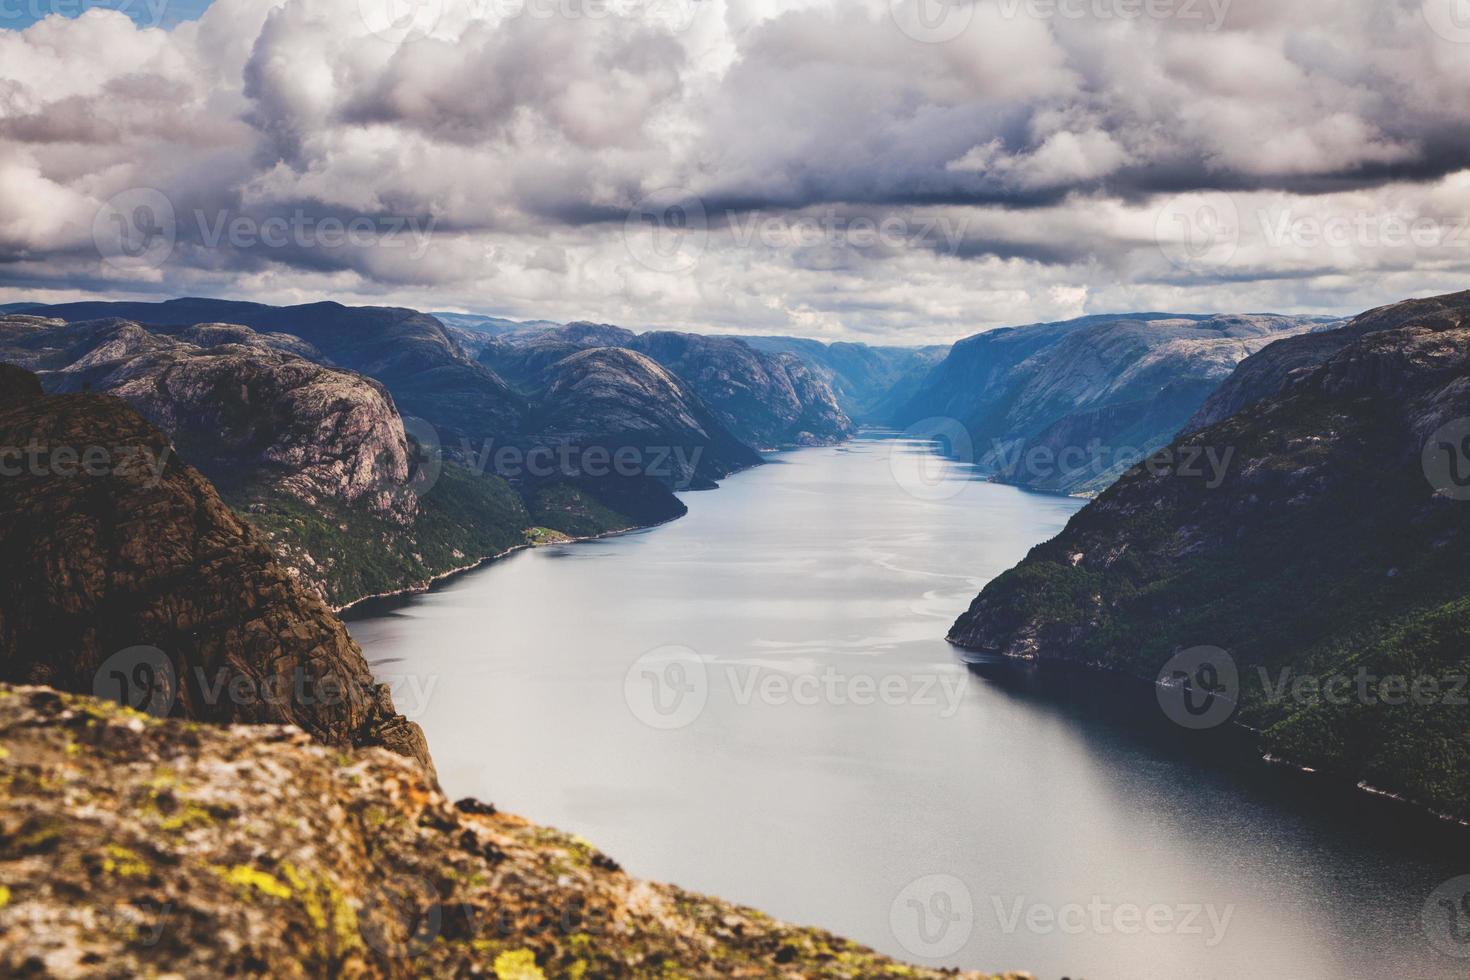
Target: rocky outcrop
[(429, 374), (245, 411), (869, 382), (621, 400), (112, 544), (1265, 372), (766, 400), (1069, 406), (136, 847), (1332, 541)]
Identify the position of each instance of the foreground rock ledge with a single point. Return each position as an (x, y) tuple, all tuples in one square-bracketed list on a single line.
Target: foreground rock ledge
[(131, 846)]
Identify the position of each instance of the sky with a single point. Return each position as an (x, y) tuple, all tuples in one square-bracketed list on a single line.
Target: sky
[(897, 171)]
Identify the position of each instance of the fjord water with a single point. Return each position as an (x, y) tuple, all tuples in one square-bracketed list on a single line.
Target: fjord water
[(892, 796)]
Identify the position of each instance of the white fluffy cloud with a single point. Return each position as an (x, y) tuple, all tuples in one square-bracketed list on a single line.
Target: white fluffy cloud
[(840, 168)]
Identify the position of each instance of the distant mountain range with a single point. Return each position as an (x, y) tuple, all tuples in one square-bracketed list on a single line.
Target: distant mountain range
[(1069, 406), (1322, 574)]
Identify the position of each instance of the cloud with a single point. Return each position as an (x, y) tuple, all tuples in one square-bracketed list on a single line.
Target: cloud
[(850, 169)]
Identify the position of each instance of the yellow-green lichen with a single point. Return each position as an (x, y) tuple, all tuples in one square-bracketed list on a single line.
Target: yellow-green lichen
[(518, 964), (124, 863), (247, 879)]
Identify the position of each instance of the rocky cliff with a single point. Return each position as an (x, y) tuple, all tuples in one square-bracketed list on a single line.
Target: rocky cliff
[(622, 400), (111, 545), (1265, 372), (1332, 545), (869, 382), (766, 400), (1069, 406), (131, 846)]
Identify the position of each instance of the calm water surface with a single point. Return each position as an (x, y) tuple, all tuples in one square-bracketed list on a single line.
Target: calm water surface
[(757, 702)]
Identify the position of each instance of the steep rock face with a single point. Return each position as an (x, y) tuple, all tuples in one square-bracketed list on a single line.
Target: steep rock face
[(868, 382), (243, 409), (766, 400), (429, 374), (619, 399), (1265, 372), (136, 847), (110, 543), (1330, 544), (1069, 406)]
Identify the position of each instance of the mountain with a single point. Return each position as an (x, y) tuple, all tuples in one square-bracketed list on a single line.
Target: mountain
[(1334, 547), (317, 457), (766, 400), (430, 375), (457, 407), (616, 398), (869, 383), (140, 847), (491, 325), (1264, 372), (1069, 406), (112, 545)]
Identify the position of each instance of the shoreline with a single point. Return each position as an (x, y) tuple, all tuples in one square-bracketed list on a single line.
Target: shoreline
[(428, 585), (1257, 757)]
